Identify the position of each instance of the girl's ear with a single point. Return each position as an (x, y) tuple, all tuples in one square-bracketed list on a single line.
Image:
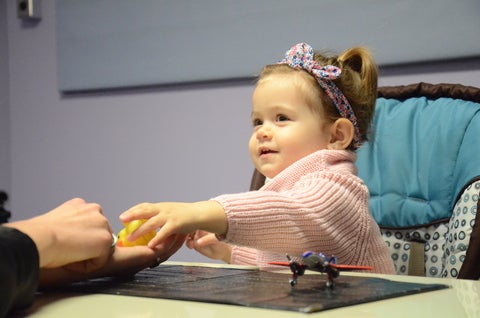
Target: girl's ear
[(341, 134)]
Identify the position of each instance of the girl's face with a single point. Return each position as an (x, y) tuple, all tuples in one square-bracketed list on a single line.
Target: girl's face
[(285, 128)]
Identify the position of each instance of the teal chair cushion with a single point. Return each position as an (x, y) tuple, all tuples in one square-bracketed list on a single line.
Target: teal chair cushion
[(422, 154)]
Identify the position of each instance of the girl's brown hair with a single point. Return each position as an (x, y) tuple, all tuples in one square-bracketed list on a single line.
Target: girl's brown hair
[(358, 82)]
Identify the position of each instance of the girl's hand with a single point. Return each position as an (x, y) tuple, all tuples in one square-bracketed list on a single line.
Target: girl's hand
[(208, 245), (175, 218)]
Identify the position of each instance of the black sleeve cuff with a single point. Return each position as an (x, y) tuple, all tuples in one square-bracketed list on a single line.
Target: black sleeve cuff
[(19, 270)]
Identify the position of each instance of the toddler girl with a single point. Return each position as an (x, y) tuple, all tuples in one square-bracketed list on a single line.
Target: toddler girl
[(310, 113)]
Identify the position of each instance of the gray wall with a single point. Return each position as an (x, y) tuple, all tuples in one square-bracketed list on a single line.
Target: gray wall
[(4, 110), (143, 42), (120, 148)]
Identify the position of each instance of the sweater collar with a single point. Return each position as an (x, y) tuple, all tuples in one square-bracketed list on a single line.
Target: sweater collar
[(335, 160)]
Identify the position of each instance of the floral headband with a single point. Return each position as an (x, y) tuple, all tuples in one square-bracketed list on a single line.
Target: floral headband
[(301, 56)]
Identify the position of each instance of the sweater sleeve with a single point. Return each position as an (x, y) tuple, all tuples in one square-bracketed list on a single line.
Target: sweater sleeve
[(19, 270), (243, 256), (323, 211)]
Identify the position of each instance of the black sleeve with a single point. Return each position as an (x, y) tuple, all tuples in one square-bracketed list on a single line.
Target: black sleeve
[(19, 270)]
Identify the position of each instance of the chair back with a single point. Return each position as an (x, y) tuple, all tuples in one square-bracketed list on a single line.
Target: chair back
[(418, 163)]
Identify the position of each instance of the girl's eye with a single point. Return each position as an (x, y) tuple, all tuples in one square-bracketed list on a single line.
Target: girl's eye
[(257, 122), (282, 118)]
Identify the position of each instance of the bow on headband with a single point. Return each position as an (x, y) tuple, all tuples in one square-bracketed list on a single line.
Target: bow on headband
[(301, 56)]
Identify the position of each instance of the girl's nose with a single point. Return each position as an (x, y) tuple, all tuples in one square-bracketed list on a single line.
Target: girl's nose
[(265, 132)]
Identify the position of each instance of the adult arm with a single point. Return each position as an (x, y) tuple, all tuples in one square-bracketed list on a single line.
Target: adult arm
[(74, 232), (54, 239), (19, 264)]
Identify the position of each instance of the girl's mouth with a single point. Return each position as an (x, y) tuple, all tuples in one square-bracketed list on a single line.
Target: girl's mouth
[(266, 151)]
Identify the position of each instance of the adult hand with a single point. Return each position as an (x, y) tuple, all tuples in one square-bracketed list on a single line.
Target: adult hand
[(124, 261), (75, 233)]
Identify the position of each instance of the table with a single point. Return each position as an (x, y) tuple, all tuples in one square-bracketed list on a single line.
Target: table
[(461, 300)]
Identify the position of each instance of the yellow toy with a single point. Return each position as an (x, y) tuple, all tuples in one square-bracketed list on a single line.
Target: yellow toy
[(129, 228)]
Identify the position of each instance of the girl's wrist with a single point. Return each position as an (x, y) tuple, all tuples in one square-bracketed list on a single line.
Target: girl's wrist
[(214, 219)]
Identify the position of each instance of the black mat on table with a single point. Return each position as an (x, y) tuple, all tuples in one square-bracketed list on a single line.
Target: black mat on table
[(252, 288)]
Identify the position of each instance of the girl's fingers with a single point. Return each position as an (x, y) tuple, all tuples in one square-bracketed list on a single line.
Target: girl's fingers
[(206, 240), (156, 241), (150, 225), (162, 234), (140, 211)]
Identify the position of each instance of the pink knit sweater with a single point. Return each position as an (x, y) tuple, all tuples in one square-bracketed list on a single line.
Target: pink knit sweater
[(317, 204)]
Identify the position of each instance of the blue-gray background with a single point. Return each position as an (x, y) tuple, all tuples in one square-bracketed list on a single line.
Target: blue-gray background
[(121, 43)]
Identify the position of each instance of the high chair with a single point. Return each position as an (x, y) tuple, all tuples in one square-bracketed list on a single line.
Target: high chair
[(422, 168)]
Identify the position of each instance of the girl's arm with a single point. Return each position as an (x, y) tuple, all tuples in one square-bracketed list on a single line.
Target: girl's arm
[(176, 218)]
